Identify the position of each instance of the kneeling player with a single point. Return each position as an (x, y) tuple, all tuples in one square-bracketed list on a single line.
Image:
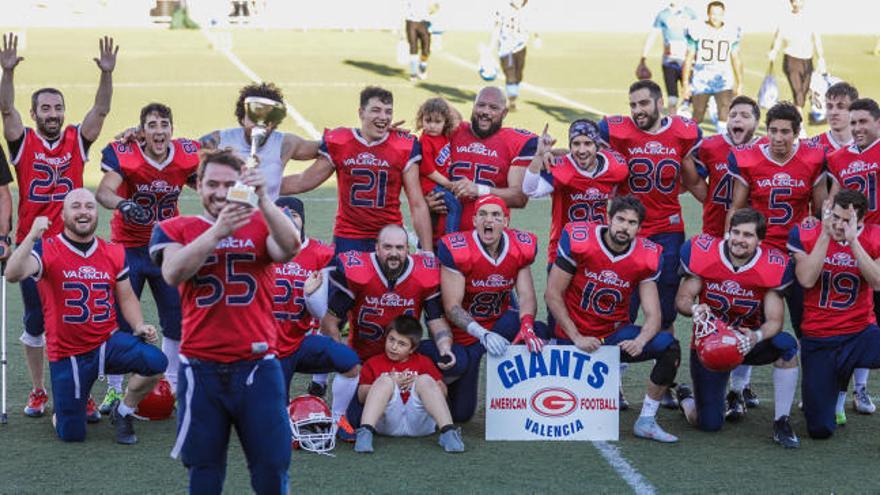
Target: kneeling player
[(739, 281), (403, 392), (836, 262), (80, 278), (589, 291), (300, 350)]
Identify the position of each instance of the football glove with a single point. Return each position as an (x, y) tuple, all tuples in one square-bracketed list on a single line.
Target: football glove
[(494, 343), (133, 213), (527, 335)]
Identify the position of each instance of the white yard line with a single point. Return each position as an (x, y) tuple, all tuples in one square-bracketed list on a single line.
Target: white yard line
[(301, 121), (529, 87), (633, 478)]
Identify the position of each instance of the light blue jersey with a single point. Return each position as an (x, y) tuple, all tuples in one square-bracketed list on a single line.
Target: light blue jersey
[(672, 22)]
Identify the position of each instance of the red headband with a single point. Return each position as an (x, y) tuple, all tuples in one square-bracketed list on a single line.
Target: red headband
[(491, 199)]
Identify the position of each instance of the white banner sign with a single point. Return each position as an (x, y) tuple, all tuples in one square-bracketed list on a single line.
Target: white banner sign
[(560, 394)]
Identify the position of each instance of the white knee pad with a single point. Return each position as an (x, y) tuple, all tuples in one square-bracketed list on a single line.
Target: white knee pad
[(171, 348), (33, 341)]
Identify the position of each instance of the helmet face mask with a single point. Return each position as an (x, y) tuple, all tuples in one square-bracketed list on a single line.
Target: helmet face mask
[(311, 425), (719, 346)]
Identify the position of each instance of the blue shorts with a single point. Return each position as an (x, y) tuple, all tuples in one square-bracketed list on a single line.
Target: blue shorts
[(141, 270), (318, 354), (825, 364), (212, 398), (667, 283), (72, 378), (710, 387), (345, 244), (453, 209), (33, 308), (652, 350)]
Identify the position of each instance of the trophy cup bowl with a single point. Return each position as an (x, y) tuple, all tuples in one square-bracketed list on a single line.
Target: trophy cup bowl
[(263, 112)]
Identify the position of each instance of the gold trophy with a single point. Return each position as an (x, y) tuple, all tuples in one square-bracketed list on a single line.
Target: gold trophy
[(264, 113)]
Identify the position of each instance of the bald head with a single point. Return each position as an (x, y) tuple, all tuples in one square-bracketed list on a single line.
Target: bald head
[(80, 215), (492, 93), (81, 194), (489, 111), (392, 233), (392, 248)]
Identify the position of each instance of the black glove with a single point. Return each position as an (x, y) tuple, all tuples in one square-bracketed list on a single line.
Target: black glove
[(133, 212)]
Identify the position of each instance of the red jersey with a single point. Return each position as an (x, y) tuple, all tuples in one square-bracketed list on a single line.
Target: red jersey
[(155, 186), (46, 172), (373, 302), (827, 141), (781, 191), (852, 168), (435, 158), (654, 161), (416, 364), (842, 301), (289, 303), (579, 195), (488, 161), (78, 293), (489, 282), (227, 304), (370, 178), (736, 295), (711, 158), (598, 297)]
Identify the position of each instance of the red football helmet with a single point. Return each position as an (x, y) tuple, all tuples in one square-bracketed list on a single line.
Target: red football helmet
[(719, 347), (311, 424), (159, 403)]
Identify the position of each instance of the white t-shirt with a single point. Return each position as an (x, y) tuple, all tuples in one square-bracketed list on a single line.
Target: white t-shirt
[(417, 10), (796, 32)]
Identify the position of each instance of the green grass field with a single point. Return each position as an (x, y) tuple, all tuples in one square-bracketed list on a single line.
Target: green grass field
[(321, 74)]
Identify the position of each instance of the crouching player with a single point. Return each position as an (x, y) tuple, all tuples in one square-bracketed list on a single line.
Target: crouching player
[(589, 293), (80, 278), (836, 262), (739, 281), (403, 392)]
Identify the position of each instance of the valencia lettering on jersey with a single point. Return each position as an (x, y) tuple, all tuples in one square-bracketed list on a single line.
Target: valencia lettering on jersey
[(858, 167), (729, 287), (653, 148), (235, 243), (158, 186), (562, 363), (366, 158), (591, 194), (494, 280), (390, 299), (780, 180), (86, 273), (291, 269), (477, 149), (841, 259), (607, 277), (54, 161)]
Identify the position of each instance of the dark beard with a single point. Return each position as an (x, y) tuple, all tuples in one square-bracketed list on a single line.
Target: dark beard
[(392, 275), (496, 126), (651, 121), (41, 128)]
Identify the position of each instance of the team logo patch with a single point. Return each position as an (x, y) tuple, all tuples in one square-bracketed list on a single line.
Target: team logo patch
[(553, 402)]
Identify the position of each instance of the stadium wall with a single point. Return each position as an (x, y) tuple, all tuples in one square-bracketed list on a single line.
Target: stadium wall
[(838, 16)]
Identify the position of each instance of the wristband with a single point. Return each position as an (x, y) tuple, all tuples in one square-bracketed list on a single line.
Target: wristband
[(483, 190), (760, 336), (475, 329)]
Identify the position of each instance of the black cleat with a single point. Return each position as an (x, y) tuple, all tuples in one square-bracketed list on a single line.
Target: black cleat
[(622, 403), (784, 435), (317, 389), (736, 407), (686, 403), (124, 426), (751, 398), (668, 401)]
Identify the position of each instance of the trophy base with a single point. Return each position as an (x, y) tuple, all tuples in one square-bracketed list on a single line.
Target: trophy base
[(243, 194)]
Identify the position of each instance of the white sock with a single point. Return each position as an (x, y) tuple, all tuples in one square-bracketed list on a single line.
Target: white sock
[(841, 400), (171, 349), (413, 65), (649, 407), (124, 410), (861, 377), (784, 386), (115, 382), (320, 379), (344, 389), (743, 373), (739, 380)]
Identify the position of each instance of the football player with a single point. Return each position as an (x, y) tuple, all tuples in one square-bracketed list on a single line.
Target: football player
[(487, 158), (300, 349), (81, 278), (370, 289), (856, 167), (49, 163), (739, 281), (372, 163), (838, 98), (712, 67), (671, 22), (278, 147), (784, 179), (223, 261), (511, 37), (481, 270), (589, 293), (836, 262), (417, 15), (142, 183)]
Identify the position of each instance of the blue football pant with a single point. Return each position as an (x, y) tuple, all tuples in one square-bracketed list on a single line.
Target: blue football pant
[(33, 308), (73, 377), (667, 283), (247, 395), (318, 354), (652, 350), (710, 387), (825, 363), (142, 270)]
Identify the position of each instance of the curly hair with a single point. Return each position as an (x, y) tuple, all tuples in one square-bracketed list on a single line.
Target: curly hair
[(436, 106), (263, 89)]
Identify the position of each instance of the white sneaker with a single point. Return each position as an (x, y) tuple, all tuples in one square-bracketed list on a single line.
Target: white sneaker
[(862, 402), (647, 427)]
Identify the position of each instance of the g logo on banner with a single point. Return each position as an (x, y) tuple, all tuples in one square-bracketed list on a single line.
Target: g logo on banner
[(553, 402)]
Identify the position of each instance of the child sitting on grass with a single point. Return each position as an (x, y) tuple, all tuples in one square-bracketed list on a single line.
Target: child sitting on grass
[(403, 392)]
